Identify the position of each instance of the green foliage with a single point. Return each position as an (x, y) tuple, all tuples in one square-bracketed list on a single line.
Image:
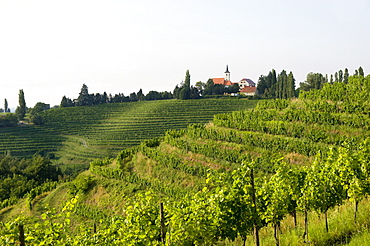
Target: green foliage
[(81, 184), (313, 81), (6, 106), (19, 177), (21, 109), (8, 119)]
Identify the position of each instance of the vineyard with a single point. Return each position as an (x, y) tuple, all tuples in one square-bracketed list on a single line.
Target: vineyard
[(287, 172), (79, 135)]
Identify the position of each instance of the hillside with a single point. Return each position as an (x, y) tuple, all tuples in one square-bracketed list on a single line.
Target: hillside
[(78, 135), (271, 169)]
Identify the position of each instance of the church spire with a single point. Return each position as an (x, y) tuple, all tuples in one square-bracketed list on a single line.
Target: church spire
[(227, 69), (227, 73)]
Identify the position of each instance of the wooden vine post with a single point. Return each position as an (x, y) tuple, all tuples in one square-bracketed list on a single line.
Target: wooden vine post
[(255, 223), (163, 228), (21, 235)]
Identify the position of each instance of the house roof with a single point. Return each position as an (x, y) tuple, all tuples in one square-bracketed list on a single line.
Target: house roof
[(228, 82), (249, 81), (248, 89), (218, 81)]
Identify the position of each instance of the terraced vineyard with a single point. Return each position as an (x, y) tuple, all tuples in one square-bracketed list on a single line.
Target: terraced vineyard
[(81, 134), (269, 169), (180, 163)]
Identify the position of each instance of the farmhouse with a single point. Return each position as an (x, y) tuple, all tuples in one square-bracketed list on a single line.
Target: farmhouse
[(247, 86)]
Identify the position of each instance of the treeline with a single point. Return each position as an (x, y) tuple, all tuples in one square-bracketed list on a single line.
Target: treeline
[(87, 99), (183, 91), (277, 86), (318, 80), (282, 85)]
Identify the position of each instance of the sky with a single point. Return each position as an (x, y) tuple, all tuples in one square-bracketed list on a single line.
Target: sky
[(50, 48)]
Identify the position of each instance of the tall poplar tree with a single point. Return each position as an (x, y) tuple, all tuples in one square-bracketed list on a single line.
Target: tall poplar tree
[(361, 72), (21, 109), (290, 86), (6, 105), (313, 81), (280, 91), (185, 91), (345, 76), (340, 76)]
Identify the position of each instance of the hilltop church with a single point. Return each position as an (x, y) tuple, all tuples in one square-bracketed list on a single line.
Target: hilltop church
[(246, 86)]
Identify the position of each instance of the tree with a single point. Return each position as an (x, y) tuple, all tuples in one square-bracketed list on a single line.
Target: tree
[(176, 92), (6, 105), (34, 112), (166, 95), (340, 76), (140, 95), (84, 97), (200, 85), (208, 87), (361, 72), (153, 95), (8, 120), (21, 109), (133, 97), (262, 88), (105, 98), (271, 81), (184, 93), (66, 102), (267, 85), (290, 86), (313, 81), (37, 119), (280, 89), (345, 76), (194, 93), (187, 79), (234, 88)]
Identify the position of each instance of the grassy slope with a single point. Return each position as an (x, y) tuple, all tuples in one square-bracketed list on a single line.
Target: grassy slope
[(80, 134)]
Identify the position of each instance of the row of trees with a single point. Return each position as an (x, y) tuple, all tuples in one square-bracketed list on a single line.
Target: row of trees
[(183, 91), (317, 80), (277, 86), (283, 85), (87, 99)]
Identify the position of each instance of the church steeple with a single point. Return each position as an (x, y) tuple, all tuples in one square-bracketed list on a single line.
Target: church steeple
[(227, 73)]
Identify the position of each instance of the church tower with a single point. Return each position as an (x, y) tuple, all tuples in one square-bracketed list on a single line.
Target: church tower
[(227, 73)]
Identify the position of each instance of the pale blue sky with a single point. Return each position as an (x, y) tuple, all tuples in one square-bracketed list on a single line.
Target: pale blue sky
[(50, 48)]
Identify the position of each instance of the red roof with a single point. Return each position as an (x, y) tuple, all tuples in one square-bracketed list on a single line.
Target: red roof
[(218, 81), (228, 82), (248, 89), (222, 81)]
